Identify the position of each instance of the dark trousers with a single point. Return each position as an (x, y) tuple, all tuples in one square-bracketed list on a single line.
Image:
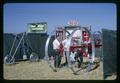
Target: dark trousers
[(79, 58), (57, 58)]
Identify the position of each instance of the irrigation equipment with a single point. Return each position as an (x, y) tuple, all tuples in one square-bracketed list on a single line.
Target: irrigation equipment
[(26, 47), (86, 40)]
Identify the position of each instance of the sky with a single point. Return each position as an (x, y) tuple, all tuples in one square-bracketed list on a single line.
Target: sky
[(16, 16)]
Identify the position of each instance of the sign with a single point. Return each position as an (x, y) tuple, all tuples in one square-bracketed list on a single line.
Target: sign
[(37, 27)]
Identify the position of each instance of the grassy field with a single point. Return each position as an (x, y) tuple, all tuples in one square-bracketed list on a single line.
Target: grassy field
[(26, 70)]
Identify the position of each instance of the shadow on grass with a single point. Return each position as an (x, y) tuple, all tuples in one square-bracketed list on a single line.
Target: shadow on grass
[(96, 66), (85, 65)]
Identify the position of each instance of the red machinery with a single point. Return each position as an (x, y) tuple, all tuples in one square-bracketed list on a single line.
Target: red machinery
[(82, 40)]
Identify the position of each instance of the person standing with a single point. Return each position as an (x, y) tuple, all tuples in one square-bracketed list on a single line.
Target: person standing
[(66, 44), (57, 57), (91, 57)]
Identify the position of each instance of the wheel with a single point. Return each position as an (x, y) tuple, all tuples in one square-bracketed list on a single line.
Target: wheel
[(8, 59), (34, 57), (24, 57)]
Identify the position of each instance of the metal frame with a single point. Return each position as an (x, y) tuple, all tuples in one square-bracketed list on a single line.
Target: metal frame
[(74, 71)]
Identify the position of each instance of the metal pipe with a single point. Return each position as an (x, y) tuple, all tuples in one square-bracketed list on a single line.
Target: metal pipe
[(46, 48), (93, 48), (28, 41), (17, 47), (13, 45)]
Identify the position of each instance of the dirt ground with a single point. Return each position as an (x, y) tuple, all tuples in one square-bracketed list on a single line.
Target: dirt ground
[(26, 70)]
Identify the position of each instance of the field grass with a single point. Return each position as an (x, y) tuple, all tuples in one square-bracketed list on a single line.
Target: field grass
[(26, 70)]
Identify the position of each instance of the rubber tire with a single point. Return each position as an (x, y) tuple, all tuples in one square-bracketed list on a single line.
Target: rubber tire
[(7, 60), (34, 57)]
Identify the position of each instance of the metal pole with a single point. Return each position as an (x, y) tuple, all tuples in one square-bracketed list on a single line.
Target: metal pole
[(28, 41), (13, 45), (93, 46), (23, 47), (17, 47)]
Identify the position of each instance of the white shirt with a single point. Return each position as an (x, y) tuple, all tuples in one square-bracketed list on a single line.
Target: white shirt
[(66, 44), (56, 44)]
